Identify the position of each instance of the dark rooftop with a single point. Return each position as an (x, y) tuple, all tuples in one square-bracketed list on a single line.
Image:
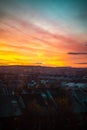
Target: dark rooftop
[(9, 106)]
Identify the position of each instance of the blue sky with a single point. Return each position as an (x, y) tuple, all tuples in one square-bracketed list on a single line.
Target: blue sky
[(53, 32)]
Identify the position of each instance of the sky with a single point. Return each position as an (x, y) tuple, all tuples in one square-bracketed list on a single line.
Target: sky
[(43, 32)]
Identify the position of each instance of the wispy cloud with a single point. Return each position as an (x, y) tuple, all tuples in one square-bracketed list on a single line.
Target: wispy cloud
[(27, 41), (85, 63), (77, 53)]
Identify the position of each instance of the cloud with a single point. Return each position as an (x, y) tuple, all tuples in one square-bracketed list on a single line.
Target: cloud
[(85, 63), (38, 63), (30, 32), (77, 53), (22, 37)]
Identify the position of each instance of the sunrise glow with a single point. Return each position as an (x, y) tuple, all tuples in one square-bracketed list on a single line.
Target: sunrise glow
[(48, 33)]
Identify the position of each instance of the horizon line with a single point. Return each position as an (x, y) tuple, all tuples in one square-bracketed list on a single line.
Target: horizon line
[(41, 66)]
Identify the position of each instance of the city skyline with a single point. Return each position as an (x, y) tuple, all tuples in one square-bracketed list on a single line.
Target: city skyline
[(47, 33)]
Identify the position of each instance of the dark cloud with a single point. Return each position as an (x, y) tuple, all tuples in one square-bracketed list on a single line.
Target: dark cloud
[(77, 53), (39, 63), (82, 63)]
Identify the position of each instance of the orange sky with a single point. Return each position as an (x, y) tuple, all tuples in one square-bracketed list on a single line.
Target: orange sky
[(40, 40)]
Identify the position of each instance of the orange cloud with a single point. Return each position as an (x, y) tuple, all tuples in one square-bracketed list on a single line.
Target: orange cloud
[(23, 42)]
